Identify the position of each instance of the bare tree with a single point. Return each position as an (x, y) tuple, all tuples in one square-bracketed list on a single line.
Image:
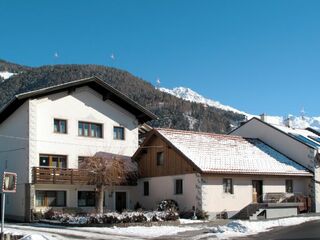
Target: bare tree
[(106, 171)]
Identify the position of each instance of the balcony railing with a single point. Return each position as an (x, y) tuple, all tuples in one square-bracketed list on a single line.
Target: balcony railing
[(47, 175)]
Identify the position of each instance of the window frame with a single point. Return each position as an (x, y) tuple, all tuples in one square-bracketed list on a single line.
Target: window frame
[(227, 189), (123, 131), (178, 190), (288, 190), (59, 125), (89, 129), (46, 198), (160, 162), (146, 188), (86, 199), (50, 159)]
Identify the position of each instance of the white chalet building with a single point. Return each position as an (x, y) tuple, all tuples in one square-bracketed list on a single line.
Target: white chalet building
[(45, 133)]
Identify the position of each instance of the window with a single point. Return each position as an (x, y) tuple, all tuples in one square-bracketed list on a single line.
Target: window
[(86, 199), (146, 188), (87, 129), (227, 185), (50, 198), (60, 126), (160, 158), (118, 133), (57, 161), (289, 186), (178, 186)]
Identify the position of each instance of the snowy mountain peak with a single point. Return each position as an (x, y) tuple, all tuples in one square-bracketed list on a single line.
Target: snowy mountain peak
[(5, 75), (192, 96)]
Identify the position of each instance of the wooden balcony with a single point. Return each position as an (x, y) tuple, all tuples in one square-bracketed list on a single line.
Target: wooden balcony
[(47, 175)]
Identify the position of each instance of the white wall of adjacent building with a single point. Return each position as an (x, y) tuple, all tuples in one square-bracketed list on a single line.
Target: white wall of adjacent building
[(14, 145)]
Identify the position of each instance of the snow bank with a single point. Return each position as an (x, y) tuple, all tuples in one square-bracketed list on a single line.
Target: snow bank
[(190, 221), (50, 232), (242, 228), (34, 237)]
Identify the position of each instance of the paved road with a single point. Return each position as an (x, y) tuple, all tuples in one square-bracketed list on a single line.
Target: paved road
[(304, 231)]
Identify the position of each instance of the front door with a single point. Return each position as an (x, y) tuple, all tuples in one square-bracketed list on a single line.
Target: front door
[(121, 201), (257, 191)]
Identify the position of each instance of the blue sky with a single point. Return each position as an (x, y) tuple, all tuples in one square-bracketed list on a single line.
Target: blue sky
[(257, 56)]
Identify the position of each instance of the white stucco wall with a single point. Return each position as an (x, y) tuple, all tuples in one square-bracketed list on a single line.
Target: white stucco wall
[(82, 105), (14, 156), (214, 200), (161, 188)]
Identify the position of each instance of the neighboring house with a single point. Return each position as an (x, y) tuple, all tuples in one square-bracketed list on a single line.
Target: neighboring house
[(45, 133), (301, 145), (212, 172)]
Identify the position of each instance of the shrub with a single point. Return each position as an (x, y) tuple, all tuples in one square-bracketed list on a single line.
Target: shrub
[(201, 215), (113, 217), (168, 205)]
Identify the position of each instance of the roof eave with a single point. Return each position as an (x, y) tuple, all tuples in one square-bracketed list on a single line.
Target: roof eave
[(305, 174)]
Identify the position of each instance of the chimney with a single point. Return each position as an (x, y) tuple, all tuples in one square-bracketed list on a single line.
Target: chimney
[(263, 117), (288, 122)]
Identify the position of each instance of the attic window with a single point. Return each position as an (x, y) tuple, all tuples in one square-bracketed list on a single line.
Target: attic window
[(160, 158)]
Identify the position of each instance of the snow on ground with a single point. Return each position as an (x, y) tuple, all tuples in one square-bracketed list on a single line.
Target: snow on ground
[(50, 232), (190, 221), (5, 75), (243, 228), (34, 237)]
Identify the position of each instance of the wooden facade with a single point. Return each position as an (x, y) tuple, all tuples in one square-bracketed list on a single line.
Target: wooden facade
[(174, 162)]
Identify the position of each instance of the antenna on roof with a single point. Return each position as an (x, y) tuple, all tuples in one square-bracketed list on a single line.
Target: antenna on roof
[(158, 82), (302, 113)]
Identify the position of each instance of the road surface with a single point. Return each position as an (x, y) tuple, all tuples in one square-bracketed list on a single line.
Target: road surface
[(304, 231)]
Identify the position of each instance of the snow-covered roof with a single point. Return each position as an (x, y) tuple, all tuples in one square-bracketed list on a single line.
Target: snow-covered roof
[(215, 153)]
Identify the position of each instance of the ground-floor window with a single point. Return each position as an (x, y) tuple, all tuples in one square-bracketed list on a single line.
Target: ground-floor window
[(86, 199), (50, 198), (178, 186), (289, 186), (146, 188)]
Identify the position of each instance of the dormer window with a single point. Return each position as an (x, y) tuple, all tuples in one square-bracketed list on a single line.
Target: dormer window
[(60, 126)]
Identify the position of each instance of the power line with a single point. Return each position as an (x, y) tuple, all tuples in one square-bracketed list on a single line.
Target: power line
[(11, 150)]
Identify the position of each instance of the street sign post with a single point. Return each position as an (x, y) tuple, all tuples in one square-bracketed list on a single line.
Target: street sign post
[(9, 184)]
